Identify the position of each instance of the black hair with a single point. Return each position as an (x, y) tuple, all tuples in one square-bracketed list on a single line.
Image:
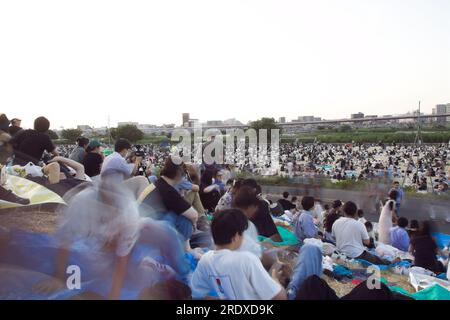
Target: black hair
[(393, 194), (350, 208), (245, 197), (326, 207), (285, 194), (336, 204), (294, 199), (122, 144), (414, 224), (250, 183), (170, 169), (207, 178), (402, 222), (226, 224), (360, 213), (229, 182), (307, 202), (41, 124), (82, 141), (368, 225)]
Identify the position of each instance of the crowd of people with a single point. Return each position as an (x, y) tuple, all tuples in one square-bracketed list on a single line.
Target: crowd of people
[(145, 197)]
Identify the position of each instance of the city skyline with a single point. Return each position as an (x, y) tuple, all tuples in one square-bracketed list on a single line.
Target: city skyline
[(151, 61)]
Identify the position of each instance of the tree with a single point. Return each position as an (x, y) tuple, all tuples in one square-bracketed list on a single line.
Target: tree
[(52, 134), (71, 135), (264, 123), (345, 128), (129, 132)]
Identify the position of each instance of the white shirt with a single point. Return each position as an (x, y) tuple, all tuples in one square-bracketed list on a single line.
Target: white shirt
[(116, 162), (349, 234), (233, 275), (250, 243)]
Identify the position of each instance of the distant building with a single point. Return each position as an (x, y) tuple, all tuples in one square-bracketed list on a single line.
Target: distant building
[(305, 119), (371, 116), (186, 118), (232, 122), (358, 115), (442, 109), (212, 123), (128, 123), (282, 120)]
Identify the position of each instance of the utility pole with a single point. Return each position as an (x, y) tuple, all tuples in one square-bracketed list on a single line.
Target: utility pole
[(418, 139)]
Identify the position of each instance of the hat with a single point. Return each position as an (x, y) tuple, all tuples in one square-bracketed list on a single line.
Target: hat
[(94, 144)]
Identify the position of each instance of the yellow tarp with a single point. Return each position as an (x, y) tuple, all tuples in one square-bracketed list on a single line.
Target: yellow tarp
[(30, 190)]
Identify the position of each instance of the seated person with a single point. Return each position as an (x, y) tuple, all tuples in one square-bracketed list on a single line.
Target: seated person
[(209, 191), (226, 200), (304, 226), (351, 236), (119, 171), (399, 235), (246, 201), (176, 210), (285, 203), (79, 152), (360, 214), (424, 249), (29, 145), (106, 219), (262, 219), (232, 274), (93, 159), (189, 189)]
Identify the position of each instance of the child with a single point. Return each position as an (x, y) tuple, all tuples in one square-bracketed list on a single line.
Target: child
[(361, 216), (232, 274)]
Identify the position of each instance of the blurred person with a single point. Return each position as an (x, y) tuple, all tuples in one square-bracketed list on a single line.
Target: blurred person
[(15, 126), (399, 235), (424, 249), (93, 159)]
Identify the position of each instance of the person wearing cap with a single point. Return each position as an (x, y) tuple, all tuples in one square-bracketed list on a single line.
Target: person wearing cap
[(80, 151), (15, 126), (93, 159)]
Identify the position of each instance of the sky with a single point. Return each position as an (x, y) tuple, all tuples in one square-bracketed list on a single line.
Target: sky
[(78, 62)]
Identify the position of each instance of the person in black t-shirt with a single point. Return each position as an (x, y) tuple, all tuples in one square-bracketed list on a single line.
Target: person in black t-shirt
[(29, 145), (177, 211), (285, 203), (263, 220), (93, 159), (424, 249)]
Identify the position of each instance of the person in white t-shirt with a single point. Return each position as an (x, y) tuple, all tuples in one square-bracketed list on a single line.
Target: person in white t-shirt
[(231, 274), (351, 236)]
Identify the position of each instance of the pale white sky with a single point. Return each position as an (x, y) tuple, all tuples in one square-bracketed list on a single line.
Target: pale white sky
[(148, 61)]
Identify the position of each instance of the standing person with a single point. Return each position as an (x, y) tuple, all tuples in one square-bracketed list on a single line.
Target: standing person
[(29, 145), (93, 159), (399, 198), (80, 151), (386, 216), (230, 273), (351, 236), (209, 191), (15, 126)]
